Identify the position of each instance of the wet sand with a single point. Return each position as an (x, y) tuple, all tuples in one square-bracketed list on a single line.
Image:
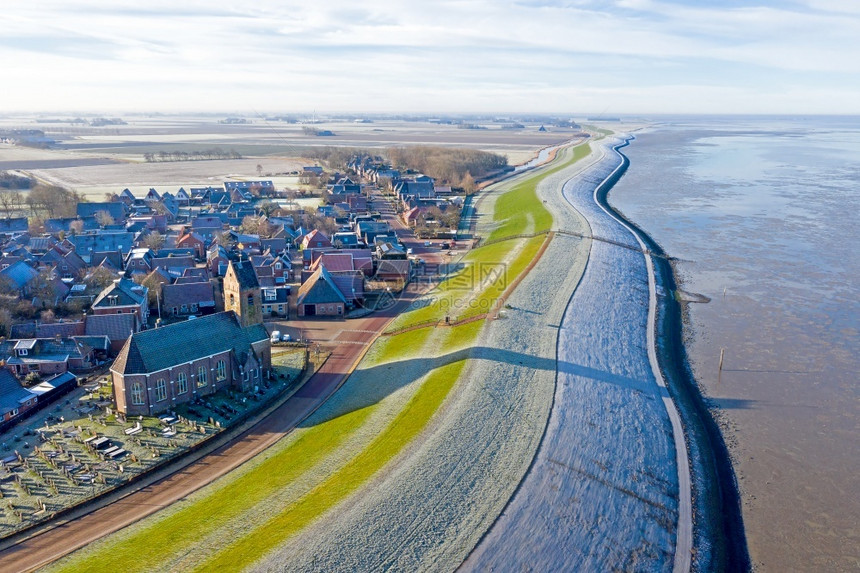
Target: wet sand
[(769, 214)]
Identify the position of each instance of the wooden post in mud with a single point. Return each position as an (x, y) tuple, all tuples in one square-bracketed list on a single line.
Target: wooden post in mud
[(720, 371)]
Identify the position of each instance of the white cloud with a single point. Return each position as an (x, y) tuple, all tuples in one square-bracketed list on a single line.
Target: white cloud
[(478, 54)]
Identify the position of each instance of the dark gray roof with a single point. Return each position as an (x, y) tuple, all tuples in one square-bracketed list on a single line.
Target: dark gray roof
[(115, 210), (11, 392), (127, 293), (320, 288), (161, 348), (13, 225), (101, 242), (19, 273), (245, 274), (96, 342), (199, 293), (114, 326)]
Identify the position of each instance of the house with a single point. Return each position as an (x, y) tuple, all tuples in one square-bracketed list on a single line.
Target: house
[(394, 270), (160, 368), (193, 241), (139, 260), (312, 170), (127, 197), (13, 225), (124, 296), (14, 398), (20, 276), (274, 245), (88, 246), (278, 268), (362, 259), (247, 242), (194, 275), (247, 187), (316, 239), (344, 186), (346, 239), (45, 355), (368, 230), (242, 292), (151, 222), (187, 299), (217, 259), (64, 224), (116, 210), (116, 327), (207, 227), (276, 301), (356, 203), (71, 266), (390, 251), (174, 264), (319, 296), (411, 216)]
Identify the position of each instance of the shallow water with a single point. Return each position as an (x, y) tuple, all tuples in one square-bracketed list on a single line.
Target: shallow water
[(764, 214)]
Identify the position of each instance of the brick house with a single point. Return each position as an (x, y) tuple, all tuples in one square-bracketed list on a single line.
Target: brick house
[(124, 296)]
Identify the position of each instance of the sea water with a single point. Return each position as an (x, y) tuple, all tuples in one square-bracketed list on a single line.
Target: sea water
[(763, 214)]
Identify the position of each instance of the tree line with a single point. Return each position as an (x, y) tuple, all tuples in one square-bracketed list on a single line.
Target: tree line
[(12, 181), (456, 166), (42, 201)]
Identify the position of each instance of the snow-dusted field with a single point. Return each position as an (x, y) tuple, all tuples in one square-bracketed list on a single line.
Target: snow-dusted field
[(530, 467), (603, 491)]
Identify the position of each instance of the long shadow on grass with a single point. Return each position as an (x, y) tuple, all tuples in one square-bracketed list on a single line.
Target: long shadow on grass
[(390, 377)]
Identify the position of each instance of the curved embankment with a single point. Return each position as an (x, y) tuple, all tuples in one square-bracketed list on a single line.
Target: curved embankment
[(719, 540), (429, 509), (603, 489)]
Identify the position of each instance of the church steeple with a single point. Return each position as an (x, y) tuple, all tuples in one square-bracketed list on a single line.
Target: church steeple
[(242, 292)]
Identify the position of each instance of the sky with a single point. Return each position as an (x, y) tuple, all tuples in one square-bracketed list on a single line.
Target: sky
[(608, 57)]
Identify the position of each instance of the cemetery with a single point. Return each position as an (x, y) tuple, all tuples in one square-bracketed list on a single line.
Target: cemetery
[(81, 447)]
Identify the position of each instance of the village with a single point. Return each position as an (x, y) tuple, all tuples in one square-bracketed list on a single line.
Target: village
[(142, 326)]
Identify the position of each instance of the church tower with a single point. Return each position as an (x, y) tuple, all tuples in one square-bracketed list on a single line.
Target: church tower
[(242, 293)]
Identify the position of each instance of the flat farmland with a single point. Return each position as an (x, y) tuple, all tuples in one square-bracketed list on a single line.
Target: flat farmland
[(114, 177), (95, 160)]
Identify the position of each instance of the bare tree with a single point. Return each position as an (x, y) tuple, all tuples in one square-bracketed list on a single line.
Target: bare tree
[(154, 241), (104, 219), (10, 201), (267, 207), (76, 227), (100, 277)]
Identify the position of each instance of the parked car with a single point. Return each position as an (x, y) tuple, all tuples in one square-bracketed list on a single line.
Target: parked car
[(428, 244), (286, 338), (276, 336), (446, 246), (409, 251)]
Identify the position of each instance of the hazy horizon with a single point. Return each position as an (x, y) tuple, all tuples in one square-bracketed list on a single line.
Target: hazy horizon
[(614, 57)]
